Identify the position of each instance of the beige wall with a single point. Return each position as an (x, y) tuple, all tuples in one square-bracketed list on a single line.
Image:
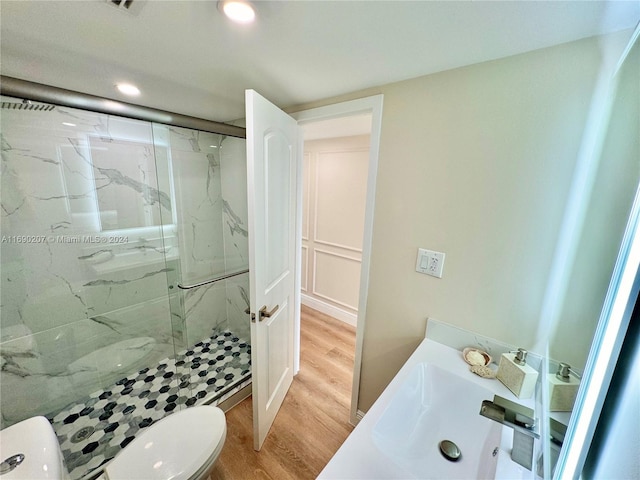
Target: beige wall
[(335, 184), (475, 162)]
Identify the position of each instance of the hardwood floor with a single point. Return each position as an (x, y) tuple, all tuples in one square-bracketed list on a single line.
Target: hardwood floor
[(314, 419)]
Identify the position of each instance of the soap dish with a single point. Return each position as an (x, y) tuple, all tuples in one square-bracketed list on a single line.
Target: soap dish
[(473, 356)]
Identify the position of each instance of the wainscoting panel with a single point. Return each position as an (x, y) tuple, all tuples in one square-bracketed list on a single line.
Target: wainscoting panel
[(336, 278), (305, 268)]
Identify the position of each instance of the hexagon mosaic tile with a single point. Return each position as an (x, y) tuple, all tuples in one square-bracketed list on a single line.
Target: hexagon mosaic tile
[(94, 430)]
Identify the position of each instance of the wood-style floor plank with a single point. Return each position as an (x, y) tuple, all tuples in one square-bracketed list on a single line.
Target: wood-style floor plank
[(314, 419)]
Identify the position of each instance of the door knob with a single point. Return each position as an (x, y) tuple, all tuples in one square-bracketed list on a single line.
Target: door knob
[(266, 314)]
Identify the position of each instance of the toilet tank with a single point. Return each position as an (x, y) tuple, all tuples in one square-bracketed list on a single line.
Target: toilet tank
[(32, 446)]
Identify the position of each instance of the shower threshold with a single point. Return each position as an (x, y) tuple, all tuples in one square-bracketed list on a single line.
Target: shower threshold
[(92, 431)]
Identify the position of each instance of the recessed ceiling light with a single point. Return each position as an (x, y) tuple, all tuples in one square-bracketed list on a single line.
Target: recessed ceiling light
[(128, 89), (69, 124), (239, 11)]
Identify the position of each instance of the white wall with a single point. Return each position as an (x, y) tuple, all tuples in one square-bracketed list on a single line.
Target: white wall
[(334, 196)]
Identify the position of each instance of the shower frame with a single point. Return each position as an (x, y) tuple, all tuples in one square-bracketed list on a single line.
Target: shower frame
[(14, 87)]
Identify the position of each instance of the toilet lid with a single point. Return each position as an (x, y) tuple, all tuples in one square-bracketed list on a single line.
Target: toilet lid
[(174, 448)]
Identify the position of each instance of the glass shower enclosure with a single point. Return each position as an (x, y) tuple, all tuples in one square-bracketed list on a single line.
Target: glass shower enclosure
[(124, 264)]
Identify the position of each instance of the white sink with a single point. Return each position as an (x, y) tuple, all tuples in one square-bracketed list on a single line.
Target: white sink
[(433, 397), (35, 439), (433, 405)]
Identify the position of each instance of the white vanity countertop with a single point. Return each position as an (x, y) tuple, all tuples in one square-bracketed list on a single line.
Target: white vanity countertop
[(359, 457)]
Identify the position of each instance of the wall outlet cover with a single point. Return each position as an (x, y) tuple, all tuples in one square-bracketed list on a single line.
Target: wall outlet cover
[(430, 262)]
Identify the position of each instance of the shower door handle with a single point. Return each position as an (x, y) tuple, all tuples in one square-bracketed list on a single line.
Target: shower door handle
[(266, 314)]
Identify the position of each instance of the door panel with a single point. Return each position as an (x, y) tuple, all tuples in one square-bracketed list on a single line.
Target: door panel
[(277, 206), (279, 353), (272, 149)]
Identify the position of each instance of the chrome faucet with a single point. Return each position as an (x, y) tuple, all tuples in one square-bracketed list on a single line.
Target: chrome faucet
[(521, 420)]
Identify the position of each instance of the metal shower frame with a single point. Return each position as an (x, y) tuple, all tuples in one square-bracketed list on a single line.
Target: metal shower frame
[(14, 87)]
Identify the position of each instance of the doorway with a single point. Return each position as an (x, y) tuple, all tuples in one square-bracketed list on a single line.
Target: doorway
[(369, 108), (335, 163)]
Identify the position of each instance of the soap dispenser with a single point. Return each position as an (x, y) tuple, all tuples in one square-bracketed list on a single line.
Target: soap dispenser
[(516, 375), (563, 389)]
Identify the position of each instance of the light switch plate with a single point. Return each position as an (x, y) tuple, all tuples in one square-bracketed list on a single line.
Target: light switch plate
[(430, 262)]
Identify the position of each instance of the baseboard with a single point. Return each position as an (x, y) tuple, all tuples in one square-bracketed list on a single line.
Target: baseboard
[(328, 309), (235, 399)]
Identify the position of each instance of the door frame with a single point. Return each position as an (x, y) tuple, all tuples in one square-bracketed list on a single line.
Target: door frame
[(372, 105)]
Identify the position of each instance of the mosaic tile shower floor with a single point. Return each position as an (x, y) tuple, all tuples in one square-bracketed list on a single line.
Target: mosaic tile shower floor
[(94, 430)]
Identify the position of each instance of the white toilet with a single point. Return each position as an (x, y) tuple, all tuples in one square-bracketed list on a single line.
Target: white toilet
[(182, 446)]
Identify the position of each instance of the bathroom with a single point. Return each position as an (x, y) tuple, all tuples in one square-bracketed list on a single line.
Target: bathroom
[(485, 211)]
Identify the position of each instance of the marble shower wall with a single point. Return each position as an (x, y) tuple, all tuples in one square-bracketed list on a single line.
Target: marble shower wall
[(84, 262), (209, 184), (235, 213)]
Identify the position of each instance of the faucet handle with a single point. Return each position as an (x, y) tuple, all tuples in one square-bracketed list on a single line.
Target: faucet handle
[(521, 419), (516, 413)]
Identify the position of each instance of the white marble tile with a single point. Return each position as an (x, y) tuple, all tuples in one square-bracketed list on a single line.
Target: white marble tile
[(61, 187), (212, 237), (237, 296), (60, 365), (236, 245), (24, 397), (233, 166), (196, 178), (35, 378), (205, 311), (117, 290)]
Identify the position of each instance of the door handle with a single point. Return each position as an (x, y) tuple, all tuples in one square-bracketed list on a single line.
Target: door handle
[(266, 314)]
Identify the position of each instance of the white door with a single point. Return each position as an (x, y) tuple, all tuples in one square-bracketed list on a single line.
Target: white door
[(272, 150)]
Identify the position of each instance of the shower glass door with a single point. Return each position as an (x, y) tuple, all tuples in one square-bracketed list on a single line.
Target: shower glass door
[(208, 275), (86, 335), (109, 225)]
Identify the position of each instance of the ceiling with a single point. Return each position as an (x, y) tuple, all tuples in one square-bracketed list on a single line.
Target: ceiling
[(338, 127), (187, 58)]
